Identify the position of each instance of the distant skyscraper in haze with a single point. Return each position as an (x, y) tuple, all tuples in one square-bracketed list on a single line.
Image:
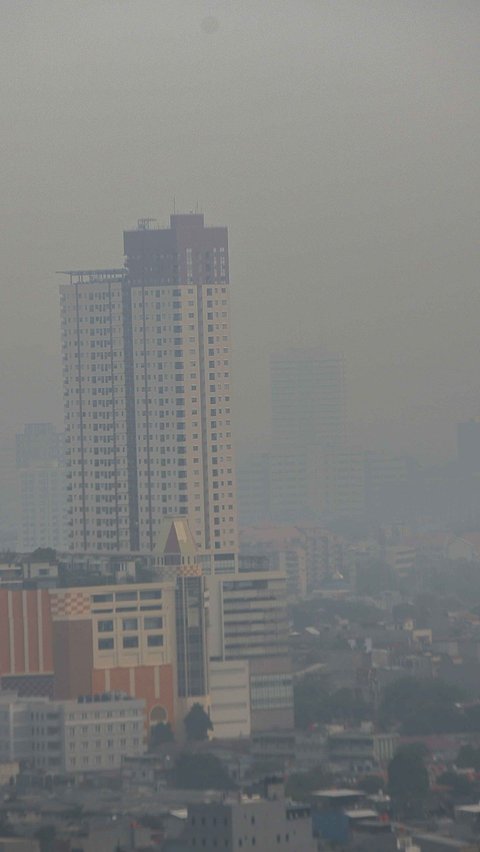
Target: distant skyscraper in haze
[(42, 488), (308, 421), (146, 357), (253, 487)]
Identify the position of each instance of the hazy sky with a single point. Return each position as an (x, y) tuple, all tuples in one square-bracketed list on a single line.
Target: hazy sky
[(338, 140)]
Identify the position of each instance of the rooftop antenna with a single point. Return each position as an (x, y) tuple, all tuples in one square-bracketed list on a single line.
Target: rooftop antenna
[(174, 206)]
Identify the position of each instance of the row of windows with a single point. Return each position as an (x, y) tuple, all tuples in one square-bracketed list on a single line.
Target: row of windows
[(145, 595), (149, 623), (129, 642)]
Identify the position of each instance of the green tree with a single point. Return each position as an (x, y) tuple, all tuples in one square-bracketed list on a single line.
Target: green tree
[(44, 554), (311, 701), (347, 705), (315, 704), (408, 783), (460, 785), (160, 734), (197, 723), (421, 706), (200, 772)]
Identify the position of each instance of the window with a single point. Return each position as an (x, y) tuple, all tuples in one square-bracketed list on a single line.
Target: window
[(130, 642), (105, 626), (105, 644), (151, 595), (130, 623), (126, 596), (155, 641), (153, 623), (102, 598)]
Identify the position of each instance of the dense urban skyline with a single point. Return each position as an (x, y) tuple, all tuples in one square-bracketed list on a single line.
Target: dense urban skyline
[(240, 574)]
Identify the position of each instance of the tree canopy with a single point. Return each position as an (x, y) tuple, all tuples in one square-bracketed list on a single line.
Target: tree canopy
[(408, 783), (44, 554), (160, 734), (316, 704), (421, 706), (459, 785), (197, 723), (200, 772)]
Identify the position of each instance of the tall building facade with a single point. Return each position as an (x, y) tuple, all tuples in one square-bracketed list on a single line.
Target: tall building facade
[(147, 393), (249, 621), (176, 560), (308, 422), (26, 642), (42, 492)]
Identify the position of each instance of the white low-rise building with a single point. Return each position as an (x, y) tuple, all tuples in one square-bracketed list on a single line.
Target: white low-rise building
[(90, 734), (230, 698)]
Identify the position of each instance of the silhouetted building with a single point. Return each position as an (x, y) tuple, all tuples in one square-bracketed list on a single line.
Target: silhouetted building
[(253, 487), (42, 485), (308, 421)]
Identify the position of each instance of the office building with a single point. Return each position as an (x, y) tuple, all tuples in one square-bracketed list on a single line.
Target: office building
[(306, 553), (308, 422), (147, 392), (249, 822), (90, 734), (248, 621), (42, 491), (93, 733), (15, 728), (361, 751), (230, 698), (84, 640), (117, 638)]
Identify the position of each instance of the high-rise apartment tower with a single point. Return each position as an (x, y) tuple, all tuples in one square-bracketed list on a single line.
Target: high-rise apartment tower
[(146, 353)]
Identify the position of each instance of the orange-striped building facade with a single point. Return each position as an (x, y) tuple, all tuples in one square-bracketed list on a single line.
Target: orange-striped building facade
[(26, 641), (87, 640)]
